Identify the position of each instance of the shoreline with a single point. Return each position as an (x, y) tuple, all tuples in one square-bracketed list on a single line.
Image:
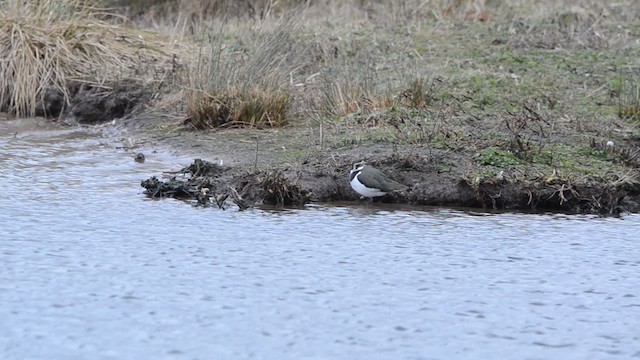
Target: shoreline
[(435, 178), (315, 175), (519, 107)]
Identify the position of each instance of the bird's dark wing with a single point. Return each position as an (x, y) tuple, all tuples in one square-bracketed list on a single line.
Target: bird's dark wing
[(378, 180)]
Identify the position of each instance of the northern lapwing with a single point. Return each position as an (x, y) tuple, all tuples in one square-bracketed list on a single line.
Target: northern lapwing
[(371, 182)]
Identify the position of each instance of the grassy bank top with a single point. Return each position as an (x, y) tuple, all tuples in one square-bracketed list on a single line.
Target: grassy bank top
[(529, 91)]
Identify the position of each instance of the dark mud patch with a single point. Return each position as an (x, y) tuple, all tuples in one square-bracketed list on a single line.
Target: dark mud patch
[(558, 196), (92, 104)]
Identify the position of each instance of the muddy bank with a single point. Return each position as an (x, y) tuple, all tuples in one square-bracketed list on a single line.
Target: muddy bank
[(212, 184), (317, 181), (92, 104)]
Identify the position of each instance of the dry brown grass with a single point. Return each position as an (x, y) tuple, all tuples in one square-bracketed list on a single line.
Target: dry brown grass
[(232, 108), (51, 44), (628, 91), (248, 84)]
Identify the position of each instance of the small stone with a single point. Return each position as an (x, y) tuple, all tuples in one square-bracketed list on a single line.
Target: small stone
[(139, 157)]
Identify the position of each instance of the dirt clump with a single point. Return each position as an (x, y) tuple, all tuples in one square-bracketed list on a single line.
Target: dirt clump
[(94, 105), (535, 196), (212, 184), (90, 104)]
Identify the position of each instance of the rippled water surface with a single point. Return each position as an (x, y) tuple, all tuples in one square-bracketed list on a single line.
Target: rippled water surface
[(91, 269)]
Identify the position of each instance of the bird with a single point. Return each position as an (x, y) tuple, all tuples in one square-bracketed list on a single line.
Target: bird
[(371, 182)]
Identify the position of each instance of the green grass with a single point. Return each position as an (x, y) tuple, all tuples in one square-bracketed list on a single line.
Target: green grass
[(496, 157)]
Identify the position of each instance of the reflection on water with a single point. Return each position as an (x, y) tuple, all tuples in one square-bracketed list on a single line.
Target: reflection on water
[(90, 268)]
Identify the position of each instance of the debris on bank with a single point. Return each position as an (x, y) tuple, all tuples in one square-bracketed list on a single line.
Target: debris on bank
[(210, 184), (557, 196)]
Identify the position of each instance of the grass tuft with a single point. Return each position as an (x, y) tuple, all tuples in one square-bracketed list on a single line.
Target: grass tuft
[(247, 85), (233, 108), (628, 91), (52, 44)]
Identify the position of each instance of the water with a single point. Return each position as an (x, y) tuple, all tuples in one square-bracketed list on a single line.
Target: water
[(91, 269)]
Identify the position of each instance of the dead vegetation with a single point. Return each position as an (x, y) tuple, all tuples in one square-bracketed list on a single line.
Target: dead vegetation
[(52, 45), (627, 87), (526, 131), (247, 86), (280, 191), (552, 192), (209, 184)]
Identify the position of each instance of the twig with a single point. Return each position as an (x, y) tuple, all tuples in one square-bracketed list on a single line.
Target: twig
[(220, 199), (255, 164), (238, 200)]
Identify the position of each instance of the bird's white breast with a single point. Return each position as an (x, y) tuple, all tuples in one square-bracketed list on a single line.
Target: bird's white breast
[(363, 190)]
